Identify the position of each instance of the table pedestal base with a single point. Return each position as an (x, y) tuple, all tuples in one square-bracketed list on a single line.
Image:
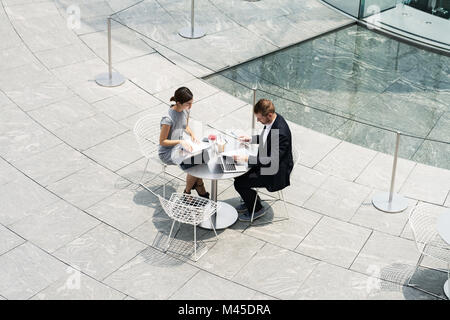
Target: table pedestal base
[(447, 289), (226, 216)]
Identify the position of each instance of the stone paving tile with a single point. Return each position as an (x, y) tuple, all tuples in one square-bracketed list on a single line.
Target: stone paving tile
[(116, 153), (131, 121), (338, 198), (63, 56), (17, 198), (52, 165), (151, 275), (39, 95), (8, 240), (54, 226), (329, 282), (90, 132), (153, 73), (379, 172), (334, 241), (276, 272), (81, 71), (447, 202), (63, 113), (75, 189), (117, 107), (100, 251), (228, 256), (206, 286), (7, 172), (140, 98), (369, 216), (389, 257), (27, 75), (77, 286), (199, 88), (126, 209), (338, 162), (91, 92), (284, 233), (15, 57), (27, 270), (428, 184)]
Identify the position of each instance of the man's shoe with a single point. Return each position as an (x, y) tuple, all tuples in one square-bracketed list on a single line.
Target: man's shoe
[(241, 208), (247, 217)]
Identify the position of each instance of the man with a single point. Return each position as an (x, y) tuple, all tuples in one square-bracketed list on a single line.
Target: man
[(273, 164)]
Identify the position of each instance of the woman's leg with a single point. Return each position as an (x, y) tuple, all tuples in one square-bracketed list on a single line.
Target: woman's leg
[(190, 182), (200, 188)]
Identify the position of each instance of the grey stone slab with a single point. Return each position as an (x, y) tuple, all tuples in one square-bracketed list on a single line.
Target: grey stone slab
[(334, 241), (39, 95), (27, 270), (117, 107), (31, 10), (447, 202), (91, 131), (77, 286), (88, 186), (379, 172), (205, 286), (284, 233), (155, 228), (228, 255), (427, 183), (329, 282), (386, 256), (15, 57), (200, 89), (117, 152), (346, 161), (81, 71), (131, 121), (53, 164), (100, 251), (25, 75), (338, 198), (369, 216), (140, 98), (17, 198), (48, 40), (7, 172), (267, 274), (153, 73), (151, 275), (54, 226), (126, 209), (9, 240), (91, 92), (63, 56)]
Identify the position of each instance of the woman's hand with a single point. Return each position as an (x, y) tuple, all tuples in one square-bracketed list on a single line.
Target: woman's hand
[(194, 138), (186, 145), (240, 159)]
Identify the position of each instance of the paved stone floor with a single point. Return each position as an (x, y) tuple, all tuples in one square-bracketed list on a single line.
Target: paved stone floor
[(74, 224)]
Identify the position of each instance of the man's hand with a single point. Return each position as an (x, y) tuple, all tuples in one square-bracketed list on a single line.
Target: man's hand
[(244, 139), (240, 159)]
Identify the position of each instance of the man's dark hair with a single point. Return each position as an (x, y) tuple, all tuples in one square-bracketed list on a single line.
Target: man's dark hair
[(264, 107)]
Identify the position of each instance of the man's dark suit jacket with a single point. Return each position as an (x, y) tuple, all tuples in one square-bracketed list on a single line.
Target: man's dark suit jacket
[(267, 156)]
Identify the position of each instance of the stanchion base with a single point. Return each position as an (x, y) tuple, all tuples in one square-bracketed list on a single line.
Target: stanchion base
[(187, 33), (105, 81), (381, 202)]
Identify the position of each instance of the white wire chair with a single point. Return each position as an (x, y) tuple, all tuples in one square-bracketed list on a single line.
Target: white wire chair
[(428, 241), (296, 158), (186, 208), (147, 131)]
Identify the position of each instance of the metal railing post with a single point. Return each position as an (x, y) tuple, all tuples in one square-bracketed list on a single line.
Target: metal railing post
[(110, 79), (192, 32), (391, 202), (254, 102)]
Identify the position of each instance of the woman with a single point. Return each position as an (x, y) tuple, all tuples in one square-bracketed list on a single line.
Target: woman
[(172, 127)]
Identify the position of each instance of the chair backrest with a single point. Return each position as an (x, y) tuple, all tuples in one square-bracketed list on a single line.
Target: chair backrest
[(186, 208), (423, 225), (147, 131)]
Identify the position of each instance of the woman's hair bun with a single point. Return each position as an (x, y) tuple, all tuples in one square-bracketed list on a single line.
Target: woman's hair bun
[(172, 99)]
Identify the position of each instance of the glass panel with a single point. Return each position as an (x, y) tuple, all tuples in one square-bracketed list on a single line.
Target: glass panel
[(350, 7)]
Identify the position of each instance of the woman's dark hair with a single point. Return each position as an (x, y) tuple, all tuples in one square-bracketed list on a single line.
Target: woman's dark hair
[(182, 95)]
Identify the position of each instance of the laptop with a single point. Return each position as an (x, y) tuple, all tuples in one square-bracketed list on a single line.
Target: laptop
[(228, 165)]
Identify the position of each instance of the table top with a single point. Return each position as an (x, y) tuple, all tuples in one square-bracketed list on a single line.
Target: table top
[(212, 170), (443, 226)]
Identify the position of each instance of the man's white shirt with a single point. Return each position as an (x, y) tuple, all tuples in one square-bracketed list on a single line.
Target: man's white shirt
[(266, 131)]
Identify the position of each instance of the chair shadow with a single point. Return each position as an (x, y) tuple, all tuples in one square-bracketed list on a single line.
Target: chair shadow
[(397, 276)]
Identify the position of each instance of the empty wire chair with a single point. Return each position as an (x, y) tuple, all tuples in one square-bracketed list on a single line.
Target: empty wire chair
[(188, 209), (428, 241)]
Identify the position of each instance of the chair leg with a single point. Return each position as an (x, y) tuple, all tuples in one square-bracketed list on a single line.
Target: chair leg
[(254, 206), (164, 178), (168, 240), (281, 195), (195, 242), (210, 220)]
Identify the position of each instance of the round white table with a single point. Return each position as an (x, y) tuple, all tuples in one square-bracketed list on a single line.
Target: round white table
[(226, 215), (443, 227)]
